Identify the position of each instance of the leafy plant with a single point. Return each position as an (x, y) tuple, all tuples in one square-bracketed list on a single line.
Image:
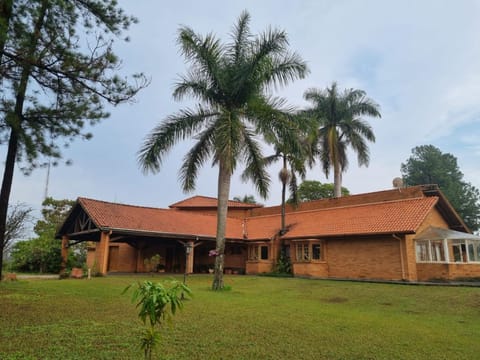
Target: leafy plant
[(157, 303)]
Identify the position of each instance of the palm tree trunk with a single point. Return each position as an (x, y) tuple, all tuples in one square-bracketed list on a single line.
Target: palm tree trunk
[(337, 180), (284, 180), (224, 175)]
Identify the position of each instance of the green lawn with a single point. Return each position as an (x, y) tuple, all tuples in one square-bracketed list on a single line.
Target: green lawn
[(260, 318)]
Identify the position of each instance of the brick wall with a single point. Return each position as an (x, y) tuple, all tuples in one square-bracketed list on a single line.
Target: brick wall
[(259, 267), (364, 258), (429, 271), (313, 269)]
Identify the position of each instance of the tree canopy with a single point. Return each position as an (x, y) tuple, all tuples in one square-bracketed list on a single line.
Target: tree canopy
[(428, 165), (43, 253), (231, 81), (340, 126), (18, 220), (310, 190), (58, 70), (247, 199)]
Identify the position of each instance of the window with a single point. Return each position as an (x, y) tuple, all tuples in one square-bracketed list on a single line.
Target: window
[(308, 251), (456, 250), (258, 252), (437, 251), (422, 251), (459, 253), (430, 251), (474, 251), (264, 252)]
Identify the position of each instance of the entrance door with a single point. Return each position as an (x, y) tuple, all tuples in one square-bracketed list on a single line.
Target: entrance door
[(113, 258)]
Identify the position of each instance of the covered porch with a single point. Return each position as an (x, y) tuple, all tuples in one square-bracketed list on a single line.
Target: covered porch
[(126, 238)]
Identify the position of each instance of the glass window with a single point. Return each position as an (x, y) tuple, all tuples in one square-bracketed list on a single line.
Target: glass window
[(256, 252), (422, 250), (253, 252), (308, 251), (474, 251), (316, 252), (264, 252), (437, 251)]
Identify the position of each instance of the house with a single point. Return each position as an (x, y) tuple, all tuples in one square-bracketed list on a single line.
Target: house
[(410, 234)]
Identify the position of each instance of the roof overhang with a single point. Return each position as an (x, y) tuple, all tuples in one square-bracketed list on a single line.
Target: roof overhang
[(436, 233)]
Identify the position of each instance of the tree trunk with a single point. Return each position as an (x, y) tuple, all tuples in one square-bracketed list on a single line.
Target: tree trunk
[(284, 180), (224, 175), (5, 191), (5, 16), (14, 121), (337, 180)]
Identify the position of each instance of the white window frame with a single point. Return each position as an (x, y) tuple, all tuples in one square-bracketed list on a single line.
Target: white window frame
[(255, 252), (303, 256)]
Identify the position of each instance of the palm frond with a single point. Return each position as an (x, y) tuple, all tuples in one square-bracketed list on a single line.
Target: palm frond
[(240, 37), (195, 158), (165, 135), (205, 54), (255, 163)]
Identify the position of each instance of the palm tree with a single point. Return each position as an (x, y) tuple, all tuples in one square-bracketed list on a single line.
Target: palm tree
[(291, 150), (230, 81), (339, 126)]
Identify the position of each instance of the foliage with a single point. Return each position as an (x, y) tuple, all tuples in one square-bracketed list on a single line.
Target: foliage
[(43, 253), (313, 190), (303, 318), (157, 303), (290, 148), (428, 165), (58, 69), (152, 263), (247, 199), (340, 126), (19, 216), (284, 263), (231, 81)]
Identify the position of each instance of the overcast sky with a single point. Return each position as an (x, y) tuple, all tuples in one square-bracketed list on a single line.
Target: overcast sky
[(420, 60)]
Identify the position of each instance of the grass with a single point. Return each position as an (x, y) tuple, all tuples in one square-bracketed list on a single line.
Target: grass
[(259, 318)]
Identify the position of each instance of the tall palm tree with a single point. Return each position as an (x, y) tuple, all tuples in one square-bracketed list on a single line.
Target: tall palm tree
[(230, 81), (340, 126)]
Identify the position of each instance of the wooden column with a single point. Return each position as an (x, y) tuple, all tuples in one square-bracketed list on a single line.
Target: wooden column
[(189, 262), (102, 252), (64, 253)]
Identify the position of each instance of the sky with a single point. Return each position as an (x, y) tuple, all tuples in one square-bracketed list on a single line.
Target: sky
[(419, 60)]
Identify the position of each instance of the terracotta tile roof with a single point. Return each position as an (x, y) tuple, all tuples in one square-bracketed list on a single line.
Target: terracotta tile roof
[(401, 216), (210, 202), (162, 221)]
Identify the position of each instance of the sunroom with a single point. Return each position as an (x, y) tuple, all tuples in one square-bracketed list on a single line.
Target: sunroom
[(445, 246), (456, 253)]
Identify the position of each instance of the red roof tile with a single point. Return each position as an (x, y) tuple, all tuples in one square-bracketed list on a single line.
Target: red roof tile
[(402, 216), (210, 202), (162, 221)]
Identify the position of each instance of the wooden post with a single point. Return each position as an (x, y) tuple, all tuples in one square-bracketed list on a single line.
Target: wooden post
[(189, 262), (103, 249), (64, 253)]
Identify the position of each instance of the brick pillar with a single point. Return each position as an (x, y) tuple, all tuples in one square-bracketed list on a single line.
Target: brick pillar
[(189, 262), (102, 253), (64, 253)]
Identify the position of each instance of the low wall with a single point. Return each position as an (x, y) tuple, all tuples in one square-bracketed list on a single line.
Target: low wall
[(450, 271)]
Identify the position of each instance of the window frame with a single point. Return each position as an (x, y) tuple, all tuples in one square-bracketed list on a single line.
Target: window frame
[(304, 251), (256, 252)]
